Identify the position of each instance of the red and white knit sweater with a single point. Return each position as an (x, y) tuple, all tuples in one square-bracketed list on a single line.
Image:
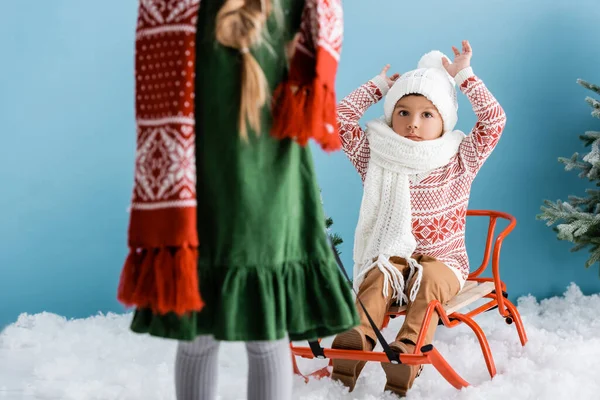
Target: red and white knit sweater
[(439, 201)]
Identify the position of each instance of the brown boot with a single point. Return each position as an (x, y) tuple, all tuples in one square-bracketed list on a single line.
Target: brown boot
[(347, 371), (400, 377)]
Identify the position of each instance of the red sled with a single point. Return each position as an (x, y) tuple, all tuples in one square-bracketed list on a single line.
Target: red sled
[(475, 288)]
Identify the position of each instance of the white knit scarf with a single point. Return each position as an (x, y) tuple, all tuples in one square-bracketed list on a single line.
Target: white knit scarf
[(385, 222)]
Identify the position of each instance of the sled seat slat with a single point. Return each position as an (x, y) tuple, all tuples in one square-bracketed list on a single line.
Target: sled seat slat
[(470, 293)]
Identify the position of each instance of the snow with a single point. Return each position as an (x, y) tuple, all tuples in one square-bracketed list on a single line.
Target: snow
[(45, 356)]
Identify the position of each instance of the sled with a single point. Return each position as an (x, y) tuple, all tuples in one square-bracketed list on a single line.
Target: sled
[(475, 288)]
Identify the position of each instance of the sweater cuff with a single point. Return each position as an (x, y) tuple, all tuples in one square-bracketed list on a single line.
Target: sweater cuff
[(463, 75), (381, 83)]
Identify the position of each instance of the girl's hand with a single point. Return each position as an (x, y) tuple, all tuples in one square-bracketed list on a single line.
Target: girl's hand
[(389, 80), (461, 60)]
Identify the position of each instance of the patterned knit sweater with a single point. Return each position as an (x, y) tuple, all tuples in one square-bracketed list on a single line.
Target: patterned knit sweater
[(439, 201)]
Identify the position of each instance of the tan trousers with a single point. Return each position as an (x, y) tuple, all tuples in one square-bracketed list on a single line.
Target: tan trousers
[(438, 283)]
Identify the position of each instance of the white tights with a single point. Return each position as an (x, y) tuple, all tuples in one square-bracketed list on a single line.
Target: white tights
[(269, 369)]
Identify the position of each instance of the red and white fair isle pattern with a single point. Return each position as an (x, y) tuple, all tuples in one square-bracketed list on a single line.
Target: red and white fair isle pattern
[(439, 202), (165, 54), (324, 22)]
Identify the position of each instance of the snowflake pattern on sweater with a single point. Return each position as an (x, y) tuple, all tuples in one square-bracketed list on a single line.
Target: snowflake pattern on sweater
[(440, 200)]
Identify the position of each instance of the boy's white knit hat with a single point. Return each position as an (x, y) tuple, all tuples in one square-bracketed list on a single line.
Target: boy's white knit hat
[(432, 81)]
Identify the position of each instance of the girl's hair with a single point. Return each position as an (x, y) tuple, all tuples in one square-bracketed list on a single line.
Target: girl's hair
[(241, 25)]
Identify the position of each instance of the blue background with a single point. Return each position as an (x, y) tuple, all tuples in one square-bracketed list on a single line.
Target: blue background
[(66, 159)]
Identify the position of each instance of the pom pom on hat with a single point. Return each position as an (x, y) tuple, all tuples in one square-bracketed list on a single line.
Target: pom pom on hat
[(433, 59), (432, 81)]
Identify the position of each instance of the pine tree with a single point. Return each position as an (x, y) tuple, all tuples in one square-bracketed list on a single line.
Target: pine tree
[(336, 239), (578, 219)]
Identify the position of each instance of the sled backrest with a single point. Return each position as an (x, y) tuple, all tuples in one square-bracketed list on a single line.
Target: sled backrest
[(493, 253)]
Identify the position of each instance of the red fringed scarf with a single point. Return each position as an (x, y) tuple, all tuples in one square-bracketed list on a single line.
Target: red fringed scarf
[(160, 272), (304, 105)]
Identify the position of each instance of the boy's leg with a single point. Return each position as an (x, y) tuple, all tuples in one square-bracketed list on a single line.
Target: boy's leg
[(371, 295), (363, 337), (438, 283)]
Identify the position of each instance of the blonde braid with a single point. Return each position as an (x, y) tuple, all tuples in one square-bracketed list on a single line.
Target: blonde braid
[(240, 25)]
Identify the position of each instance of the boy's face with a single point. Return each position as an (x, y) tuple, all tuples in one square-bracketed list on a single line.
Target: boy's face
[(416, 118)]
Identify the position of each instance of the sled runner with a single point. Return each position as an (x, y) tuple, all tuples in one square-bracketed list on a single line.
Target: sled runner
[(476, 288)]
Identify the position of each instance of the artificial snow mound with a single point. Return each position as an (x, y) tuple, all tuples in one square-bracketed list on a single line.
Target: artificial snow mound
[(46, 356)]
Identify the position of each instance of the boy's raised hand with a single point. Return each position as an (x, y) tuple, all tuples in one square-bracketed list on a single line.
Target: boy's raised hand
[(389, 79), (461, 60)]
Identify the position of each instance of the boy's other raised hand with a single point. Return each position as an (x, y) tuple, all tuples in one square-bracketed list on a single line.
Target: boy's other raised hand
[(389, 79), (461, 60)]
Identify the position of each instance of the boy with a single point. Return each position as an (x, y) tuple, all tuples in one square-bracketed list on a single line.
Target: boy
[(417, 173)]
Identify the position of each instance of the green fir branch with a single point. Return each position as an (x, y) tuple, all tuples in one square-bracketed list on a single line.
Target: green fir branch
[(593, 102), (578, 246), (590, 86), (589, 137), (590, 204), (594, 258), (335, 238), (575, 163), (328, 222), (577, 201)]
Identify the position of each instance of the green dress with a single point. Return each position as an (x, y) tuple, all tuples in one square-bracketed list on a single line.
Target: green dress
[(265, 266)]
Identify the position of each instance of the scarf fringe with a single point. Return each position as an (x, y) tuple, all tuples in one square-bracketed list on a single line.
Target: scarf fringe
[(415, 268), (391, 277), (306, 111), (161, 279), (394, 278)]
